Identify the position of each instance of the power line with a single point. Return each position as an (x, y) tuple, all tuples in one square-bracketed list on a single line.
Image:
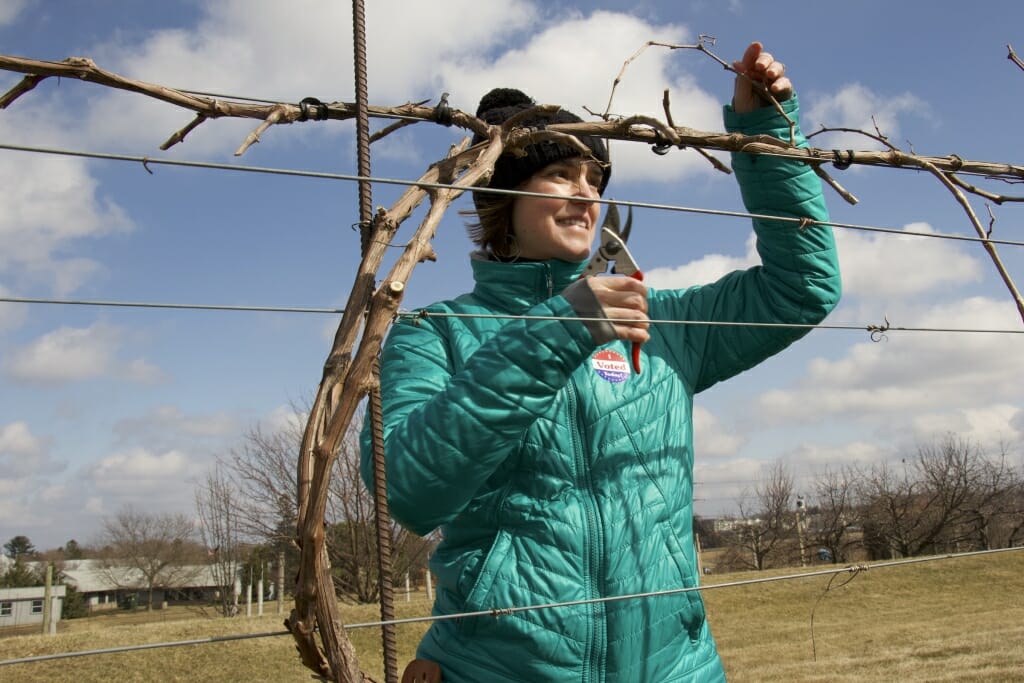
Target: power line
[(148, 161)]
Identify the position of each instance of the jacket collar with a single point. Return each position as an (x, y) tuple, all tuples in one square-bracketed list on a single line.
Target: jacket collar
[(521, 285)]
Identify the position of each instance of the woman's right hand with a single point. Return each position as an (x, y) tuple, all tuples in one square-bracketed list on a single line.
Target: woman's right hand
[(624, 301)]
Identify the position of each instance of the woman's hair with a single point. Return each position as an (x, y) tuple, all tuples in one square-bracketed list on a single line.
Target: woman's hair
[(490, 226)]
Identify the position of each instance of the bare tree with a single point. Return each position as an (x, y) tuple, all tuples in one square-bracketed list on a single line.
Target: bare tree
[(990, 510), (834, 510), (217, 504), (948, 498), (352, 538), (765, 533), (262, 469), (262, 472), (159, 549), (1015, 521)]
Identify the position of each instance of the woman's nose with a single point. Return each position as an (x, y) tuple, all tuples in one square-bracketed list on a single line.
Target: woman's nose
[(584, 188)]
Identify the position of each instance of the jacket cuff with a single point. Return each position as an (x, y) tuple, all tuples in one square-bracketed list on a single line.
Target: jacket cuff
[(581, 297), (762, 120)]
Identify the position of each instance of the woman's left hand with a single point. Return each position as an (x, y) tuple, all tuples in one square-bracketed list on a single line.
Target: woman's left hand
[(758, 66)]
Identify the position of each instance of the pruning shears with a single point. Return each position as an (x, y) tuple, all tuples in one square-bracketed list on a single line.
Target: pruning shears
[(613, 256)]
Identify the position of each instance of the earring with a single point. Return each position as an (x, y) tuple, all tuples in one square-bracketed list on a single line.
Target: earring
[(514, 252), (509, 252)]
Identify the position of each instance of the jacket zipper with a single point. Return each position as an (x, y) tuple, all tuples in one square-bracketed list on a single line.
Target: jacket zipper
[(593, 541)]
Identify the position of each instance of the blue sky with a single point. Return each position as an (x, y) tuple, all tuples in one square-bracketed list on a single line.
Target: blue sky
[(102, 407)]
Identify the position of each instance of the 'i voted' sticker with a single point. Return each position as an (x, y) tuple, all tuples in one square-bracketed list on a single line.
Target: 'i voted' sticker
[(610, 365)]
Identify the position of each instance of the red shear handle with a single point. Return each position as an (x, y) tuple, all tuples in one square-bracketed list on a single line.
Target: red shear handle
[(636, 345)]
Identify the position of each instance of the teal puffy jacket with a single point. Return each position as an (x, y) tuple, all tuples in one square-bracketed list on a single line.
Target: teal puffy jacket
[(558, 476)]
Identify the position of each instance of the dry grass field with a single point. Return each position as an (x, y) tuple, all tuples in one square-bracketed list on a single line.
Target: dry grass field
[(950, 620)]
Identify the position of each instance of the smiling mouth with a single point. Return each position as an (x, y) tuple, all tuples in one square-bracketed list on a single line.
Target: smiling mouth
[(573, 223)]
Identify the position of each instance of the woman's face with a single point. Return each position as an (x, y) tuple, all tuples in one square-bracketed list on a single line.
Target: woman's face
[(560, 227)]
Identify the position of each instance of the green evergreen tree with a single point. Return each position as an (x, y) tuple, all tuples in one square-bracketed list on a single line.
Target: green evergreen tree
[(19, 546), (21, 575), (74, 603)]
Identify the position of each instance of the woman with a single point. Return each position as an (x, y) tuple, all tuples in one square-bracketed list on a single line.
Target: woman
[(552, 479)]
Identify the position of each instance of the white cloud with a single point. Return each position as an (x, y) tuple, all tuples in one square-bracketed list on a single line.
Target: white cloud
[(990, 426), (12, 316), (158, 480), (70, 354), (883, 274), (16, 439), (94, 505), (283, 419), (50, 512), (25, 469), (49, 204), (53, 494), (23, 454), (813, 458), (720, 483), (706, 269), (140, 371), (10, 9), (891, 268), (168, 423), (914, 373), (858, 107), (711, 438), (876, 268), (139, 464)]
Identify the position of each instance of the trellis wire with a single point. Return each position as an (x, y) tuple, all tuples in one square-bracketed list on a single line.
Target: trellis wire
[(147, 161), (505, 611), (145, 646), (875, 329)]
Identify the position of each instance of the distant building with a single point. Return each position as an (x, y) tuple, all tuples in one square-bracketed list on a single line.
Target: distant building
[(26, 606), (105, 586), (726, 524)]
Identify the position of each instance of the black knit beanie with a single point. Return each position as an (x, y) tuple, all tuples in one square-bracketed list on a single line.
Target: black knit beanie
[(501, 104)]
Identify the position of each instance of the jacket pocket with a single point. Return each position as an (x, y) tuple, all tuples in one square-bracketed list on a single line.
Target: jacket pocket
[(693, 617), (479, 596)]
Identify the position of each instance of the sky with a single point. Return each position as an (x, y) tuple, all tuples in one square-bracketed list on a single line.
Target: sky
[(103, 407)]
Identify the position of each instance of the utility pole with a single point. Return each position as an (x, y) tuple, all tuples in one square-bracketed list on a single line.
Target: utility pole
[(259, 590), (280, 582), (47, 592), (800, 530)]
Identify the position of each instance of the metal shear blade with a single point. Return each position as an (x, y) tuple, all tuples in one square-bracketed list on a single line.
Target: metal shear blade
[(613, 256)]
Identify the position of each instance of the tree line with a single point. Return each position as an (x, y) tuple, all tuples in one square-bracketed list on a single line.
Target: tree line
[(948, 496)]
